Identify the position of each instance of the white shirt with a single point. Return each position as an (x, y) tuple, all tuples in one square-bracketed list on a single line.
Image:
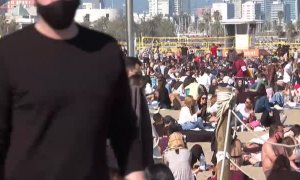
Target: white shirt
[(162, 69), (186, 116), (286, 76), (182, 78), (213, 109), (148, 89), (180, 91), (193, 90), (241, 108), (204, 80), (296, 55), (171, 74)]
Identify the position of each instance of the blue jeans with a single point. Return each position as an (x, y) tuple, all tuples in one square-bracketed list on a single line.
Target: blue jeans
[(277, 99), (262, 104), (192, 125), (253, 86), (168, 87)]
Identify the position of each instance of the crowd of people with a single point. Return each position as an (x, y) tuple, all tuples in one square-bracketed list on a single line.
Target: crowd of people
[(189, 81), (68, 110)]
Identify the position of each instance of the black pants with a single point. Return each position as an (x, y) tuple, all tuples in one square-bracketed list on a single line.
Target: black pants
[(196, 152), (198, 136), (267, 120)]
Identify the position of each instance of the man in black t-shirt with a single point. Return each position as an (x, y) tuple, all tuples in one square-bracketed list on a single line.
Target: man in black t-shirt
[(63, 92)]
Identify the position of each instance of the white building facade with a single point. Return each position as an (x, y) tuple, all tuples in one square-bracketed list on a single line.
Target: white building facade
[(226, 10), (178, 7), (238, 8), (95, 14), (157, 7), (251, 10)]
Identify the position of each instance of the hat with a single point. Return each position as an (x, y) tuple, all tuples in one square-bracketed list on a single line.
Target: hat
[(176, 141)]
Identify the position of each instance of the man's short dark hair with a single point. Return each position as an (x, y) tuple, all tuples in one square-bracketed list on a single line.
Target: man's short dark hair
[(158, 172), (131, 62), (157, 117), (137, 80), (273, 129), (174, 128), (169, 119)]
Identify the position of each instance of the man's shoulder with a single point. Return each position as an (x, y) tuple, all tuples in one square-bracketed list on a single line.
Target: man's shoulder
[(95, 35), (266, 144), (16, 37)]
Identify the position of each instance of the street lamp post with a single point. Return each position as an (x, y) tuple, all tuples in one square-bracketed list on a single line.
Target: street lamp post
[(130, 36)]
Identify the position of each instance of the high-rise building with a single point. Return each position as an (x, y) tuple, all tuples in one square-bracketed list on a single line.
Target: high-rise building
[(182, 7), (157, 7), (102, 4), (226, 10), (178, 7), (186, 6), (238, 8), (298, 10), (292, 9), (275, 8), (251, 10), (267, 9), (262, 4)]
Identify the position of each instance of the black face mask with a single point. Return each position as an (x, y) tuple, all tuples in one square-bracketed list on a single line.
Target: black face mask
[(60, 14)]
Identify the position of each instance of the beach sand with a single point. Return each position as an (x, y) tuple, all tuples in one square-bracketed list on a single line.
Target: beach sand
[(293, 117)]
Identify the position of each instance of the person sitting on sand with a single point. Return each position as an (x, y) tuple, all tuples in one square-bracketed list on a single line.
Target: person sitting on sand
[(290, 152), (188, 117), (271, 152), (180, 159), (294, 133), (245, 111)]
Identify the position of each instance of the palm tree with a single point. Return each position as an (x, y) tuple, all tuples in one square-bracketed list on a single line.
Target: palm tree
[(101, 24), (298, 25), (278, 30), (280, 16), (207, 21), (12, 26), (267, 26), (217, 27), (86, 21), (217, 16), (290, 30), (3, 25), (7, 27), (274, 24)]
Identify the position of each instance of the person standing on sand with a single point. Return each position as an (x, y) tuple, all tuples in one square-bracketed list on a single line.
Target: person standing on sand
[(63, 93)]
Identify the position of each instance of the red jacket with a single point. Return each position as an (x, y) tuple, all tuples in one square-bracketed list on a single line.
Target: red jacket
[(241, 67), (213, 50)]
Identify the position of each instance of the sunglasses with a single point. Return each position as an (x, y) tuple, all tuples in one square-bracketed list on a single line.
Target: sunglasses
[(204, 98)]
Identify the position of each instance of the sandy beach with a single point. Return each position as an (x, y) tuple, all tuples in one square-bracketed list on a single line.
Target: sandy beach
[(254, 172)]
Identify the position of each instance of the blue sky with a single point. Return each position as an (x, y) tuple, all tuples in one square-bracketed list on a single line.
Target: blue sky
[(138, 5)]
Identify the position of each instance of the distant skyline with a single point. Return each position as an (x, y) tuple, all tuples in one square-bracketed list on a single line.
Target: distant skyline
[(138, 5), (141, 6)]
